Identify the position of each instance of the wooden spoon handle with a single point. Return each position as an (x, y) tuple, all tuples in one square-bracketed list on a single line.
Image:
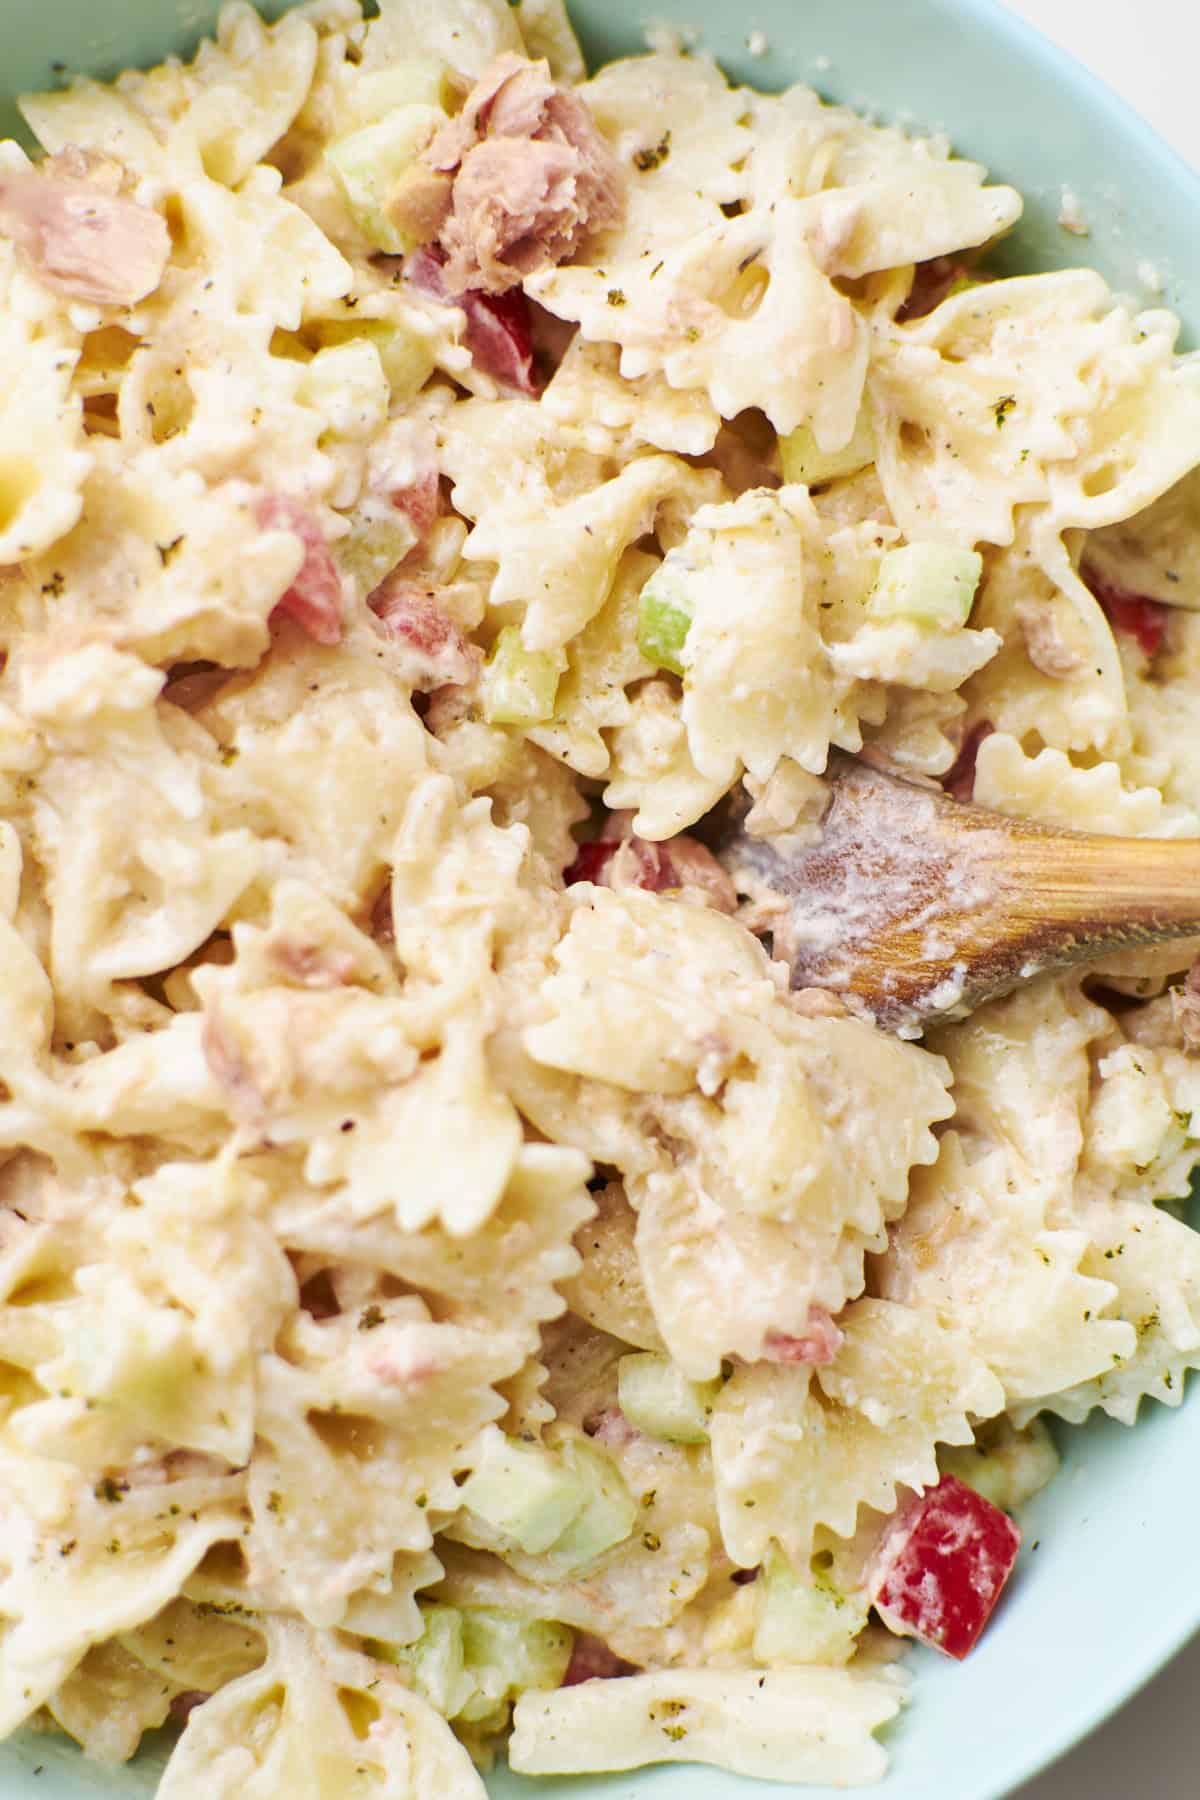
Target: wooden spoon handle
[(918, 906)]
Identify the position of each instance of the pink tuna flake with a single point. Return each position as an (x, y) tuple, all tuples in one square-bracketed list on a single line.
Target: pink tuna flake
[(83, 241), (314, 600), (818, 1345), (941, 1566), (499, 331), (531, 177)]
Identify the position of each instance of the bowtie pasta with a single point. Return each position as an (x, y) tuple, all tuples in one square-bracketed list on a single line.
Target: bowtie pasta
[(455, 1298)]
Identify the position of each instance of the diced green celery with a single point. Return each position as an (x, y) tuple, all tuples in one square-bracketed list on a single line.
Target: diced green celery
[(664, 618), (370, 553), (932, 583), (406, 358), (506, 1654), (421, 81), (519, 685), (437, 1659), (526, 1492), (609, 1510), (368, 164), (657, 1398), (803, 1621), (803, 459), (1005, 1465)]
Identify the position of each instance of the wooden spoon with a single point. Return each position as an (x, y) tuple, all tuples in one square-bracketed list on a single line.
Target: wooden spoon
[(914, 907)]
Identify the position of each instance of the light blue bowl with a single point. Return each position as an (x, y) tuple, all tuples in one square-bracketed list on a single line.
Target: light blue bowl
[(1104, 1594)]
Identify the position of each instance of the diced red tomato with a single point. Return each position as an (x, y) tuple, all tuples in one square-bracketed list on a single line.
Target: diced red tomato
[(499, 331), (314, 600), (1134, 614), (960, 780), (592, 1660), (941, 1566), (818, 1345)]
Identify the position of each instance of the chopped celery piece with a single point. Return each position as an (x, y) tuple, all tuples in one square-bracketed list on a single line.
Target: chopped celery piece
[(437, 1659), (419, 81), (657, 1398), (369, 554), (803, 1621), (519, 685), (803, 460), (524, 1491), (931, 583), (609, 1510), (368, 164), (506, 1654), (664, 618), (406, 358)]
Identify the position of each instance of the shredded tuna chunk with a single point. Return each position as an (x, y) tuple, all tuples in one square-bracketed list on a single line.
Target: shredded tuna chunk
[(1047, 647), (1185, 1003), (818, 1344), (531, 177), (82, 238)]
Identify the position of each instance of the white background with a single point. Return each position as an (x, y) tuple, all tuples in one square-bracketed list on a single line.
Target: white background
[(1149, 51)]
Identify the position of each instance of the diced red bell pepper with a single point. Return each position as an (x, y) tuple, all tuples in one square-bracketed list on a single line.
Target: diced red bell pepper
[(499, 331), (1134, 614), (959, 781), (941, 1566), (314, 600)]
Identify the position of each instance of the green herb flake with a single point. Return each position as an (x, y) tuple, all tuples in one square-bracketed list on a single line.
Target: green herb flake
[(1002, 407), (371, 1318), (652, 159), (111, 1491)]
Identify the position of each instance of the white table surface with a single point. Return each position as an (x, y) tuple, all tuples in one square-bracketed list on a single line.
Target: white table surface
[(1149, 51)]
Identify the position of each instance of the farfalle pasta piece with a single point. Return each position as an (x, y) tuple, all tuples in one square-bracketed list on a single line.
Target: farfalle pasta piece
[(505, 1274), (165, 1327), (109, 1702), (44, 459), (1154, 553), (80, 1567), (1050, 788), (603, 661), (976, 1250), (794, 1725), (1083, 708), (795, 1448), (557, 523), (320, 1722), (361, 1433), (1021, 1072), (1153, 1261)]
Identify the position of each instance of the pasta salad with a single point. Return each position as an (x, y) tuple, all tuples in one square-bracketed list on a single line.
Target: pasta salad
[(456, 1299)]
